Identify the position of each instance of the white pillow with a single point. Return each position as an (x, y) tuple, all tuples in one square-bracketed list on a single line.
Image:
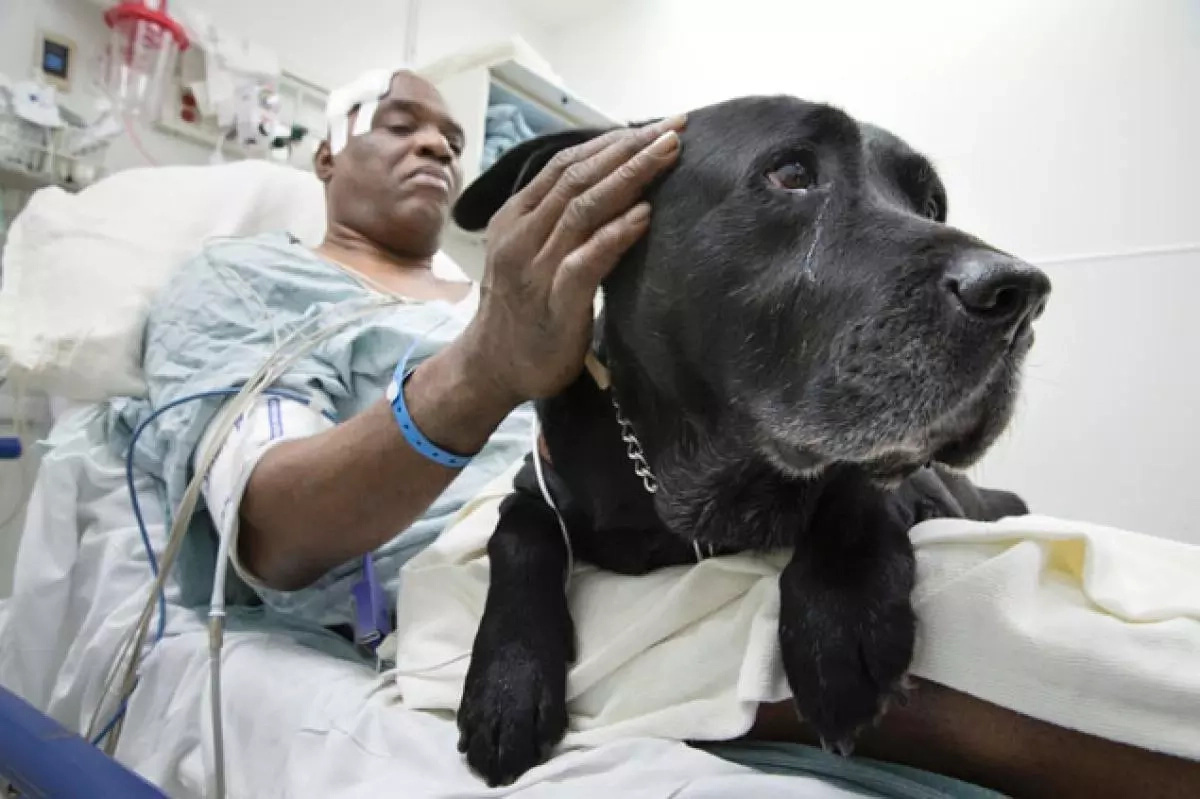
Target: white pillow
[(80, 270)]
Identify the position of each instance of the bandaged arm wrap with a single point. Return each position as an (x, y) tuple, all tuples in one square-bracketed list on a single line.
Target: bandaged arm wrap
[(270, 421)]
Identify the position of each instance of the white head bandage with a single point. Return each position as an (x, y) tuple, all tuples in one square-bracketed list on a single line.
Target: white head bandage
[(363, 93)]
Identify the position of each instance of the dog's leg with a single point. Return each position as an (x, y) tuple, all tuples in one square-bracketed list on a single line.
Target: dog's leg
[(930, 497), (513, 708), (846, 624), (981, 504)]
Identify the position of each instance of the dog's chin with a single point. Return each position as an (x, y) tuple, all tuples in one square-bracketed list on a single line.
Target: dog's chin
[(968, 431), (958, 438), (791, 459), (983, 425)]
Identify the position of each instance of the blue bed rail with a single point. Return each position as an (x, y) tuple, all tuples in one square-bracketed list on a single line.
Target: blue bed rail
[(39, 758)]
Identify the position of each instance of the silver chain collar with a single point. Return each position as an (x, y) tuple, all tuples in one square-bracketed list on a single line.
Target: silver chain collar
[(634, 451)]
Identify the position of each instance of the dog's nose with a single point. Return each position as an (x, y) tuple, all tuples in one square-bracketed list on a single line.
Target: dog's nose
[(997, 288)]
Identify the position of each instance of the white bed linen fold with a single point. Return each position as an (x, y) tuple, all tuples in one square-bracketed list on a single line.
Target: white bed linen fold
[(1087, 627)]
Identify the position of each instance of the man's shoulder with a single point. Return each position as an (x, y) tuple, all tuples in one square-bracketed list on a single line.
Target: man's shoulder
[(264, 247), (262, 260), (239, 270)]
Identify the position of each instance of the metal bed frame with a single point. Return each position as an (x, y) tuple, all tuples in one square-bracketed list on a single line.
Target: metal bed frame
[(40, 758)]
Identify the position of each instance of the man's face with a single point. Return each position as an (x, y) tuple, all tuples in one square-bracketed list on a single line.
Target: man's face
[(395, 183)]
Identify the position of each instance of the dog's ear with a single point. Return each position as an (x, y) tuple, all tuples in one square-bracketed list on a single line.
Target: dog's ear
[(511, 173)]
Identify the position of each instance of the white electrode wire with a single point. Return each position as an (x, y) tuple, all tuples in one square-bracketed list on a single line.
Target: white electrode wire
[(239, 286), (536, 431), (216, 635), (223, 424), (296, 346), (217, 602), (270, 371), (128, 654)]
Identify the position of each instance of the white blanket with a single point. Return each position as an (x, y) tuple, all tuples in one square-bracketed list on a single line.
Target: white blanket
[(1083, 626), (298, 722)]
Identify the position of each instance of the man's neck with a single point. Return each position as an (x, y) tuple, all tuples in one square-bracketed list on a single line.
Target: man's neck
[(370, 259), (388, 271)]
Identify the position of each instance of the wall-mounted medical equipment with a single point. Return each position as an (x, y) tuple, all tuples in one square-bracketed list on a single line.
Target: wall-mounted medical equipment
[(230, 94), (43, 143), (55, 60), (143, 46)]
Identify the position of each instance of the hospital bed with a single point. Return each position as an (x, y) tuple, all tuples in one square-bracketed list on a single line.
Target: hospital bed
[(305, 715)]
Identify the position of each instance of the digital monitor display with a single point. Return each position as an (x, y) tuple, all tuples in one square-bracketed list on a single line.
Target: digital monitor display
[(56, 59)]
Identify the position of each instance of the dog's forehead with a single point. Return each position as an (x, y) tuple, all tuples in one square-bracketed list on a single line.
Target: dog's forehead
[(880, 144), (763, 119), (891, 158)]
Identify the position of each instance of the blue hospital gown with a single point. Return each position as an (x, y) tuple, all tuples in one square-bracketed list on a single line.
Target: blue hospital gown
[(215, 324)]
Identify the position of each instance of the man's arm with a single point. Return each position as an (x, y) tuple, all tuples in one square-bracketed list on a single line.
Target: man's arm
[(315, 503), (952, 733)]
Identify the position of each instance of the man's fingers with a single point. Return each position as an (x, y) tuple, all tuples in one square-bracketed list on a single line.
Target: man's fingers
[(537, 190), (610, 197), (575, 170), (579, 276)]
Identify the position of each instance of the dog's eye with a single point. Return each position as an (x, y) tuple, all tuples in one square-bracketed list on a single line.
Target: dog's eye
[(932, 209), (792, 176)]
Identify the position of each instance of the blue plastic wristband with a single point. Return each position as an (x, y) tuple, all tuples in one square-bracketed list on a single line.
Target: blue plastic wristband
[(415, 438)]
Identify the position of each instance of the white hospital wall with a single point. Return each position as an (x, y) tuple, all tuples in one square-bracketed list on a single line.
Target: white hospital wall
[(1061, 129), (1106, 429), (329, 44)]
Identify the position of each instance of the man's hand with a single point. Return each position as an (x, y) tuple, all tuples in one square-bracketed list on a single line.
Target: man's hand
[(550, 246)]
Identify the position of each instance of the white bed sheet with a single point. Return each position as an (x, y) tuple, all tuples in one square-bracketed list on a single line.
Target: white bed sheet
[(299, 722)]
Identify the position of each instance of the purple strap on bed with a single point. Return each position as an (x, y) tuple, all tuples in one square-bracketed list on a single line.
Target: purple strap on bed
[(371, 618)]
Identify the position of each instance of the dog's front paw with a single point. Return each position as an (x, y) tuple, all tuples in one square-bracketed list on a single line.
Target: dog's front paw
[(847, 627), (513, 710), (845, 658)]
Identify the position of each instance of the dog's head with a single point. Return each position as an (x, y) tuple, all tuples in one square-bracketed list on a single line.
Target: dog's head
[(799, 281)]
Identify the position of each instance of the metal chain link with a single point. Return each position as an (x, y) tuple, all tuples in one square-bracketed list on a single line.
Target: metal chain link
[(634, 451)]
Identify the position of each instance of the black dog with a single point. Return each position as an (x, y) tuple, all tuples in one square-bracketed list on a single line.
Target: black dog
[(797, 336)]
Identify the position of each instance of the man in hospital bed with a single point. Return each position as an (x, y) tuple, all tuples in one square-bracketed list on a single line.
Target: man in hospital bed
[(307, 499)]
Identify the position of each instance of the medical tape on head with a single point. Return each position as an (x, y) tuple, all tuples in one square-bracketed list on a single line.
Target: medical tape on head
[(366, 113), (362, 93), (339, 134)]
